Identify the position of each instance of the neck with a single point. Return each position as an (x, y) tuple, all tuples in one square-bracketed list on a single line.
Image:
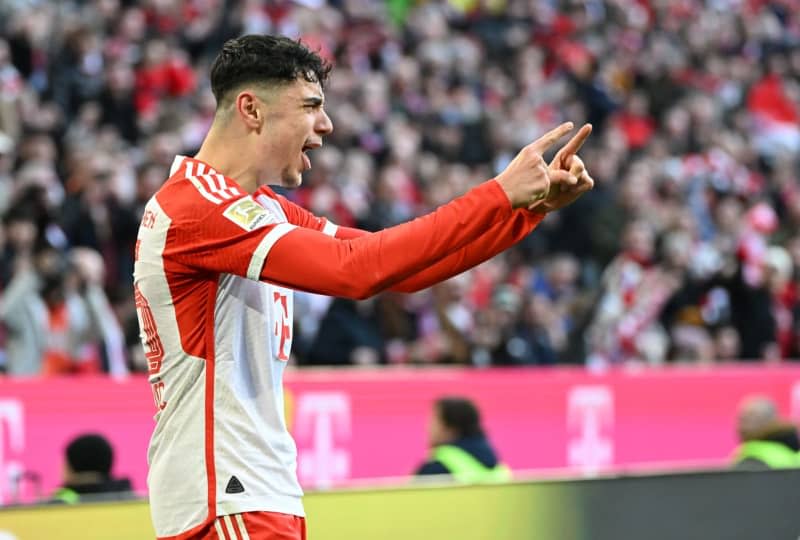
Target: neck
[(228, 154)]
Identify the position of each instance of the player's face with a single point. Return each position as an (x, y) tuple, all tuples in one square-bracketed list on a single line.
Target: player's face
[(295, 124)]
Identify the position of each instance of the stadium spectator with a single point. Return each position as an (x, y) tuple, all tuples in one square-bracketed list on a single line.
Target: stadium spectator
[(445, 325), (766, 441), (88, 463), (755, 414), (626, 326), (58, 318), (514, 330), (347, 335), (775, 448), (459, 446)]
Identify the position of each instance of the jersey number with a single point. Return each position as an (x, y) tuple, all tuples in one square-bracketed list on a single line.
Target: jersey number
[(154, 350)]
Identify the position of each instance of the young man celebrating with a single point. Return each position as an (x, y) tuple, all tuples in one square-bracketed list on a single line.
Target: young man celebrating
[(219, 253)]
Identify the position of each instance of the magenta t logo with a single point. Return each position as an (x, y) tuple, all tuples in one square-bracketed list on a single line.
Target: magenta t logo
[(322, 421), (12, 429), (590, 424)]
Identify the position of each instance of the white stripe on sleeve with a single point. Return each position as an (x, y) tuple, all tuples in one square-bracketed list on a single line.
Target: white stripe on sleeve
[(261, 252), (330, 228)]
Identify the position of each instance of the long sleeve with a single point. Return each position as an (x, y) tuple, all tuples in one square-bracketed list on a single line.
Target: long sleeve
[(494, 240), (240, 235), (308, 260)]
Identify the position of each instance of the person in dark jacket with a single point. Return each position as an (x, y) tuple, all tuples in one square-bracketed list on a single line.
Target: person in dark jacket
[(766, 441), (459, 446), (347, 335), (87, 472), (775, 448)]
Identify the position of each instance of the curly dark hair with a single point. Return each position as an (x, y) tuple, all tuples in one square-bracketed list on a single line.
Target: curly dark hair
[(264, 59)]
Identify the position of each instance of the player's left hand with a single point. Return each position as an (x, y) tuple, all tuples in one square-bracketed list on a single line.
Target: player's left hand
[(567, 159)]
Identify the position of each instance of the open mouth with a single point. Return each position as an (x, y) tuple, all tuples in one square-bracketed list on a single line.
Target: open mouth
[(306, 159)]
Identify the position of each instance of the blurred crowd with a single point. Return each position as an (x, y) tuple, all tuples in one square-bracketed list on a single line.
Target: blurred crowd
[(687, 250)]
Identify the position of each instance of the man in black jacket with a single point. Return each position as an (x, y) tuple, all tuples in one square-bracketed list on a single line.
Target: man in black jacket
[(87, 472)]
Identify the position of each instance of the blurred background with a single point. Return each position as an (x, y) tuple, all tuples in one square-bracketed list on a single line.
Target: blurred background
[(661, 301)]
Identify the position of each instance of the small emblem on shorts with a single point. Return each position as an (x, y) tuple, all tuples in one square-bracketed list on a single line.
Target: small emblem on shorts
[(234, 486)]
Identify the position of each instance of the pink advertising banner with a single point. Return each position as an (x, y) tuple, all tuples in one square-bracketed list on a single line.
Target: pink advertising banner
[(351, 426)]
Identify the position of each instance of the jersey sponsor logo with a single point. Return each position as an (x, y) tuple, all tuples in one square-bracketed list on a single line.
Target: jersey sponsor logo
[(248, 214), (234, 486)]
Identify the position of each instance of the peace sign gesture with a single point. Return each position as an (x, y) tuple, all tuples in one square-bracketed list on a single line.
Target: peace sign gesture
[(528, 180), (567, 159)]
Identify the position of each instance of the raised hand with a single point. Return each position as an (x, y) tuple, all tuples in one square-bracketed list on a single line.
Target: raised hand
[(567, 159), (528, 180)]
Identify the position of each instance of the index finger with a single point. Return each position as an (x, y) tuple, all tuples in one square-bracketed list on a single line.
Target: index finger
[(575, 143), (547, 140)]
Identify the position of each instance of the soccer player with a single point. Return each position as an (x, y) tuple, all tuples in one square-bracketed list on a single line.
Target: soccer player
[(219, 253)]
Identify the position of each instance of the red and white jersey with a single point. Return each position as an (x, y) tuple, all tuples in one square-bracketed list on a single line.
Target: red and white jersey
[(213, 280), (217, 344)]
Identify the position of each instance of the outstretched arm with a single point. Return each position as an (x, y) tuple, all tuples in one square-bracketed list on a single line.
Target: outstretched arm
[(362, 266), (494, 240), (308, 259), (243, 238)]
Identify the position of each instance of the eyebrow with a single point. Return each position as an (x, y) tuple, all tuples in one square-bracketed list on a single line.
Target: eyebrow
[(313, 100)]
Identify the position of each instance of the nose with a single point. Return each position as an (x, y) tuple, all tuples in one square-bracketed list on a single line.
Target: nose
[(324, 124)]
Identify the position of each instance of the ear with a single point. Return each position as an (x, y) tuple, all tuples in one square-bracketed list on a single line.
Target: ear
[(248, 109)]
